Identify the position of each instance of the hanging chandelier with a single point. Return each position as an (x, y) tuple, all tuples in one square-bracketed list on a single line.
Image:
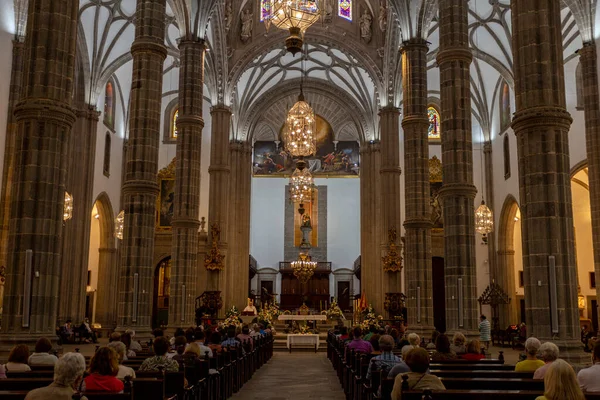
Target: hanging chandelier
[(301, 186), (119, 225), (484, 219), (68, 207), (293, 15), (303, 268), (299, 138)]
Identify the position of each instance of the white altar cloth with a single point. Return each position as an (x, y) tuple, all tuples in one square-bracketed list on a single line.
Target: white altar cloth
[(302, 317), (303, 340)]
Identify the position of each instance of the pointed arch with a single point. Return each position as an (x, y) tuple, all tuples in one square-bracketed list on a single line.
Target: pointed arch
[(506, 258)]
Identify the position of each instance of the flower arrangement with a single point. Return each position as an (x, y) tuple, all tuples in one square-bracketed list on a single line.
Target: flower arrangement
[(335, 312), (232, 317), (268, 313), (371, 319)]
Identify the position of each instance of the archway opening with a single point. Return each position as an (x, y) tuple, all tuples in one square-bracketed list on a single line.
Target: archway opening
[(162, 292)]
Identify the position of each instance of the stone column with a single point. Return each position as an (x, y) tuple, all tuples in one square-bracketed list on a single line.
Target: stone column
[(458, 191), (239, 223), (44, 120), (541, 124), (591, 110), (391, 213), (76, 239), (14, 95), (187, 184), (219, 199), (370, 217), (140, 188), (506, 262), (417, 247), (108, 274)]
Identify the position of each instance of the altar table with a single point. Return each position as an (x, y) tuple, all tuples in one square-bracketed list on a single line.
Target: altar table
[(302, 317), (297, 339)]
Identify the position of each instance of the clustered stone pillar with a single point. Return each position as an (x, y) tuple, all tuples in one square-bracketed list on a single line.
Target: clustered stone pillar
[(186, 208), (108, 274), (239, 223), (76, 239), (541, 124), (219, 199), (44, 119), (458, 191), (14, 95), (370, 217), (391, 213), (588, 56), (417, 247), (140, 188)]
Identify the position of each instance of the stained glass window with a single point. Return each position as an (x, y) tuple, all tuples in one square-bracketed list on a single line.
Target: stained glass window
[(109, 105), (434, 124), (345, 9), (504, 107), (174, 130), (265, 9)]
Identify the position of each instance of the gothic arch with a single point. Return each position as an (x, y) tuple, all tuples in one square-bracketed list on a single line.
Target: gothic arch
[(506, 258)]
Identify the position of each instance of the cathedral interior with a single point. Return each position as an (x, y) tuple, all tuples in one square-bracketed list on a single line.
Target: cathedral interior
[(146, 174)]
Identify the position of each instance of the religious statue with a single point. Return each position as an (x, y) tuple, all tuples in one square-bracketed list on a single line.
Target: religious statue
[(366, 20), (306, 221), (436, 209), (202, 224), (327, 11), (250, 308), (247, 20), (383, 15), (228, 16)]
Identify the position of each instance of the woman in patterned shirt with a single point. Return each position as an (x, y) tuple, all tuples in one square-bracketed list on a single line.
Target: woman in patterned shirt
[(160, 359)]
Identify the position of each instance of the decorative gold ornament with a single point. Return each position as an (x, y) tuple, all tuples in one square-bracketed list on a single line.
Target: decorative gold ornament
[(293, 15), (300, 134), (435, 169), (120, 225), (214, 259), (68, 207), (484, 219), (392, 262), (304, 269)]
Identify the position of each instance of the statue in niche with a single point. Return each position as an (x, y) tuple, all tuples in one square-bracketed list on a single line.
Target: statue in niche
[(383, 15), (328, 11), (202, 224), (366, 20), (306, 221), (247, 20), (435, 207), (228, 16)]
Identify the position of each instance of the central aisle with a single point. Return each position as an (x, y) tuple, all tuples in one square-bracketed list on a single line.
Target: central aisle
[(292, 377)]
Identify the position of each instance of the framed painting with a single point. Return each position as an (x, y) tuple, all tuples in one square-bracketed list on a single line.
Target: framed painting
[(166, 197)]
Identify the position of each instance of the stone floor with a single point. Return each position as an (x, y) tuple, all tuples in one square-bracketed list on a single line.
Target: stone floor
[(301, 375)]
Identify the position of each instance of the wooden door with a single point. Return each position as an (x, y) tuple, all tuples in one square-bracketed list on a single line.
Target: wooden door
[(439, 293), (343, 292)]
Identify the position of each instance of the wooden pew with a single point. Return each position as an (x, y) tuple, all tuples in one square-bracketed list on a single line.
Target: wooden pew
[(479, 395), (493, 384), (471, 366), (481, 374), (20, 395)]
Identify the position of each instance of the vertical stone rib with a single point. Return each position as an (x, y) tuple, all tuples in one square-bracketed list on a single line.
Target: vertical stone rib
[(458, 191), (541, 124), (219, 199), (391, 216), (417, 248), (76, 241), (591, 110), (44, 120), (187, 184), (14, 95), (140, 188)]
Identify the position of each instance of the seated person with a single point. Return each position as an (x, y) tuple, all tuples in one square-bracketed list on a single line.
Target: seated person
[(418, 379), (17, 359), (114, 337), (66, 332), (245, 338), (103, 371), (68, 372), (358, 344), (231, 341), (119, 348), (473, 351), (401, 367), (199, 340), (442, 349), (215, 342), (375, 343), (588, 377), (531, 363), (126, 339), (548, 353), (42, 355), (250, 308), (431, 345), (135, 345), (458, 344), (413, 340), (386, 360), (86, 331), (560, 383), (160, 359), (193, 363), (180, 346)]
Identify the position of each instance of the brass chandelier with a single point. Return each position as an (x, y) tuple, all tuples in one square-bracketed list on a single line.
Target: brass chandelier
[(484, 219), (293, 15), (300, 139), (303, 268)]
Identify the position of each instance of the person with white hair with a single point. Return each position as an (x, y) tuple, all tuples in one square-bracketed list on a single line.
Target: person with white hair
[(548, 353), (531, 363), (68, 372), (121, 349), (135, 345), (413, 341), (401, 367)]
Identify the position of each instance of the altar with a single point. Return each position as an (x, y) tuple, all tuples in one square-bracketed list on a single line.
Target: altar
[(302, 340), (318, 317)]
